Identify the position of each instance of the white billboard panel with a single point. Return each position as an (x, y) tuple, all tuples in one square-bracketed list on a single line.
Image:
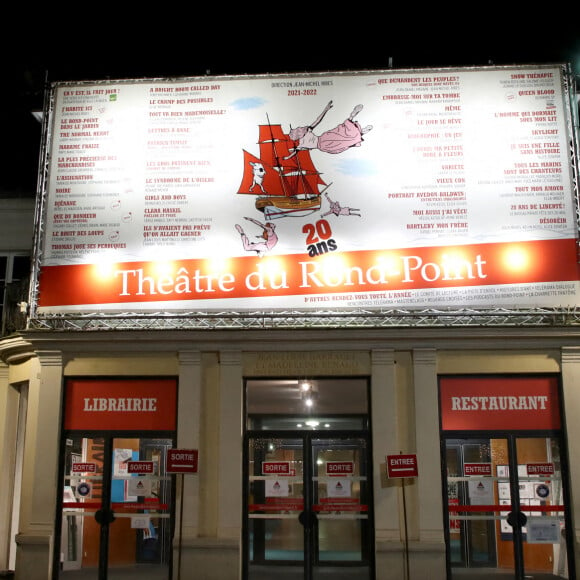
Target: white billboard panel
[(411, 189)]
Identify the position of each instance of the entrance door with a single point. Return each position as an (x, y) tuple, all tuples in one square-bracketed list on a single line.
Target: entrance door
[(308, 506), (116, 511), (506, 507)]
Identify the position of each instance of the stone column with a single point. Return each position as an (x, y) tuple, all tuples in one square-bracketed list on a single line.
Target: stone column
[(188, 436), (230, 445), (217, 557), (389, 549), (428, 561), (571, 405), (8, 431), (40, 485)]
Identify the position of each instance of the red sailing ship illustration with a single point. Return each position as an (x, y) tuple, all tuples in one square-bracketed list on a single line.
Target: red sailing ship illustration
[(286, 182)]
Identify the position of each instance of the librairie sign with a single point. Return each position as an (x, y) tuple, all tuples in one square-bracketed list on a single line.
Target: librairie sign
[(436, 188), (121, 404)]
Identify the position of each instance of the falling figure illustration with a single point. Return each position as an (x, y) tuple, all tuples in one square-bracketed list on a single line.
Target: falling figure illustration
[(346, 135), (268, 238), (338, 210)]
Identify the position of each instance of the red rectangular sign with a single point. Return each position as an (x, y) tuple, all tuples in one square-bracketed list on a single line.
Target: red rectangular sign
[(496, 403), (402, 466), (182, 460), (140, 467), (472, 469), (121, 404), (339, 468), (275, 468), (541, 469), (84, 467)]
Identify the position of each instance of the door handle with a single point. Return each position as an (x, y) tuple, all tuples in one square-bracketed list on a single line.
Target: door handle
[(104, 516), (307, 518), (517, 518)]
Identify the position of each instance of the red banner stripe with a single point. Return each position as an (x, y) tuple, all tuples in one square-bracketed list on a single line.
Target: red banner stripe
[(298, 274)]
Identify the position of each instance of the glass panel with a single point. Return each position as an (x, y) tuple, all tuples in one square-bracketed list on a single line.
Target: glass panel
[(140, 535), (303, 398), (20, 268), (82, 496), (542, 500), (341, 502), (275, 501), (455, 498), (477, 489), (297, 423)]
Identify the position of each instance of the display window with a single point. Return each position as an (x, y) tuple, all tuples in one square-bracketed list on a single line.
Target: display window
[(505, 485), (116, 516)]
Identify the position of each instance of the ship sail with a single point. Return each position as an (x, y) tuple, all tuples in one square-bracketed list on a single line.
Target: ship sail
[(286, 184)]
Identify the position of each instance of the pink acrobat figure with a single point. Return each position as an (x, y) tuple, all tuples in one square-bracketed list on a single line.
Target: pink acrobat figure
[(268, 237), (338, 210), (346, 135)]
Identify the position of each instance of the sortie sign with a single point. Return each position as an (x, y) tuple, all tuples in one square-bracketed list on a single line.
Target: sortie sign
[(402, 466), (182, 460)]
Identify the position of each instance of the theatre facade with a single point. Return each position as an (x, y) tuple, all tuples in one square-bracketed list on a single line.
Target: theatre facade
[(300, 326)]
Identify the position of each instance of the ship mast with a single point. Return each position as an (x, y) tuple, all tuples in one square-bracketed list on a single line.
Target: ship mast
[(283, 178)]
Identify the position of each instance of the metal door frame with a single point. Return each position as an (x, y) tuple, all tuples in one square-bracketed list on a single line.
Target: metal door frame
[(511, 438), (108, 437), (310, 537)]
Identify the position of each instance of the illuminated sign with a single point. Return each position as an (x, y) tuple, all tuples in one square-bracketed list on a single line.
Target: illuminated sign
[(374, 189), (488, 403), (121, 404)]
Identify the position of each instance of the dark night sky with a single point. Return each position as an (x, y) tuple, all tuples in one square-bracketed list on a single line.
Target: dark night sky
[(253, 41)]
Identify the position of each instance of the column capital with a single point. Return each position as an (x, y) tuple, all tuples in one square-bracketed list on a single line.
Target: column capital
[(230, 357), (570, 354), (383, 357), (50, 358), (424, 356), (189, 357)]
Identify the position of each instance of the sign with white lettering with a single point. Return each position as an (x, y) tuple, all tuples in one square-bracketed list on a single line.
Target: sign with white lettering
[(145, 467), (498, 402), (276, 468), (84, 468), (541, 469), (475, 469), (402, 466), (182, 460), (121, 404), (339, 468), (373, 189)]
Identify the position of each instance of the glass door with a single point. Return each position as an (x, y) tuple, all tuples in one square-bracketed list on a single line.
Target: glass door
[(308, 507), (472, 541), (506, 507), (117, 506), (341, 500)]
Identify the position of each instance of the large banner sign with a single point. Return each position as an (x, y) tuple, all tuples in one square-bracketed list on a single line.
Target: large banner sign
[(412, 189)]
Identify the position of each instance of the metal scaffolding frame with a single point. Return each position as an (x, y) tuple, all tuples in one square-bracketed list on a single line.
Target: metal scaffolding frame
[(380, 318)]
